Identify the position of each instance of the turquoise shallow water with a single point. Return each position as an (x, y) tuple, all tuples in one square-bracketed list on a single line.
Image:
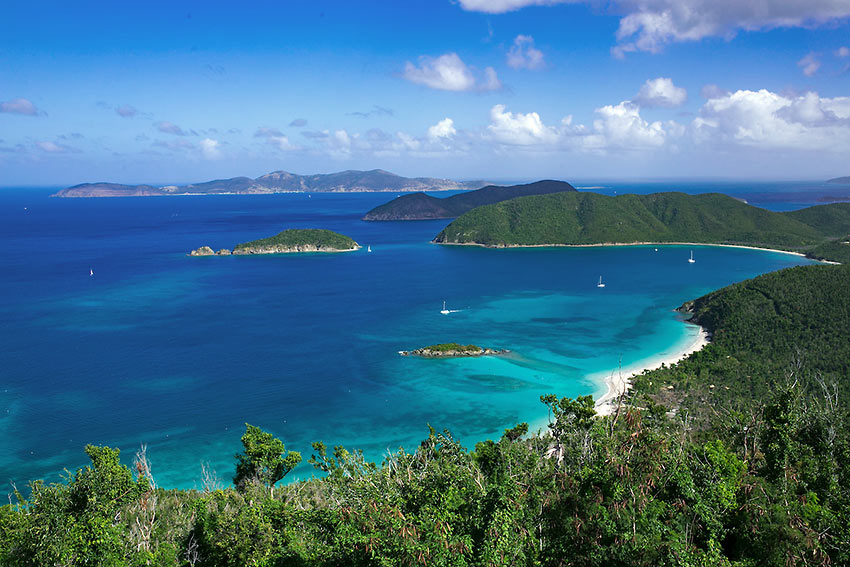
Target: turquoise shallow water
[(179, 352)]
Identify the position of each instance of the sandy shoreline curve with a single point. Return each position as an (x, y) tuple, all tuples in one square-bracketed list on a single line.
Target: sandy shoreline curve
[(602, 244), (618, 381)]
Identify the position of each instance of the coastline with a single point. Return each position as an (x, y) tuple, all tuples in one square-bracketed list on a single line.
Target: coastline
[(281, 192), (618, 381), (317, 251), (604, 244)]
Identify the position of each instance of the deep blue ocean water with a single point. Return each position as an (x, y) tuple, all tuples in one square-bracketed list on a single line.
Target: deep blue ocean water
[(178, 352)]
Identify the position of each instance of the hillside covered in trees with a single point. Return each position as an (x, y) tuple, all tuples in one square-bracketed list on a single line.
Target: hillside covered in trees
[(590, 218), (421, 206), (298, 240), (740, 456)]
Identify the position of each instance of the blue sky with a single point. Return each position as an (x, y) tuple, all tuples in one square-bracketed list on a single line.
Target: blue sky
[(171, 92)]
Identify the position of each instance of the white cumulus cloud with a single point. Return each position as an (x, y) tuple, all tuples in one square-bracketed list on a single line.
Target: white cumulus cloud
[(518, 128), (54, 148), (170, 128), (809, 64), (19, 106), (842, 51), (275, 138), (126, 111), (769, 120), (523, 54), (502, 6), (210, 148), (660, 92), (442, 129), (648, 25), (621, 126), (448, 72)]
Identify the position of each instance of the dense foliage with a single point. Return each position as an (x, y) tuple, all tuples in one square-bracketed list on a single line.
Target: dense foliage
[(696, 475), (590, 218), (762, 330), (835, 250), (296, 237), (446, 347), (423, 206), (831, 220)]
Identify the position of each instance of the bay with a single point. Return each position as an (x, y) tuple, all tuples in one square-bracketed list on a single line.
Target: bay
[(179, 353)]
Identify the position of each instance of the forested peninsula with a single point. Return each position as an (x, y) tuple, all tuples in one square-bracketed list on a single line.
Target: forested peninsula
[(590, 219), (292, 240), (419, 206)]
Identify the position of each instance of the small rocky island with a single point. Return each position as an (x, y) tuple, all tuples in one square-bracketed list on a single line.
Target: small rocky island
[(452, 350), (287, 242), (207, 251)]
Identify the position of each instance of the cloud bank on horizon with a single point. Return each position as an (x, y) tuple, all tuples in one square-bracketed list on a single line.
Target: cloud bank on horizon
[(467, 88)]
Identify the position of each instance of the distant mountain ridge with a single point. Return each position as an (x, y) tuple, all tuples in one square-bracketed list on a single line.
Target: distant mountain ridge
[(419, 206), (350, 181), (840, 180)]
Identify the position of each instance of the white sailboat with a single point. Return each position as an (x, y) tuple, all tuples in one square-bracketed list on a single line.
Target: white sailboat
[(600, 284), (691, 259), (91, 272), (444, 311), (368, 248)]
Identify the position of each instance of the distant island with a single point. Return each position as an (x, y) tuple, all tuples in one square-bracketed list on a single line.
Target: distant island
[(420, 206), (451, 350), (593, 219), (289, 241), (351, 181), (840, 180)]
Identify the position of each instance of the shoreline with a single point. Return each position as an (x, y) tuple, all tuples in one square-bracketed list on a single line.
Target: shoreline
[(618, 381), (282, 192), (606, 244)]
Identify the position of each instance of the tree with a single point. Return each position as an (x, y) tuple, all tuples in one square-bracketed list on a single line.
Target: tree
[(265, 459), (78, 523)]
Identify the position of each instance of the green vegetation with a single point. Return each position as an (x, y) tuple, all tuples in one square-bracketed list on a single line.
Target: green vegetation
[(752, 468), (831, 220), (263, 460), (418, 206), (764, 329), (834, 251), (446, 347), (297, 240), (590, 218)]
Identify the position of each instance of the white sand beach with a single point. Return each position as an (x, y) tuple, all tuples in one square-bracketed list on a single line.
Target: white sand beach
[(605, 244), (618, 380)]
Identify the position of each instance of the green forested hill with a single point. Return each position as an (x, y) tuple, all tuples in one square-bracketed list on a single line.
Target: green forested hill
[(794, 320), (296, 239), (590, 218), (834, 250), (831, 220), (420, 206)]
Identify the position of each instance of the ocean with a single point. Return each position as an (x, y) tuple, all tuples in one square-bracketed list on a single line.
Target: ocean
[(178, 352)]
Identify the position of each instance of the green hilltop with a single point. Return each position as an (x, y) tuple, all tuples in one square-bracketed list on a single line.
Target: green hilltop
[(590, 218), (831, 220), (793, 320), (420, 206), (298, 240)]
